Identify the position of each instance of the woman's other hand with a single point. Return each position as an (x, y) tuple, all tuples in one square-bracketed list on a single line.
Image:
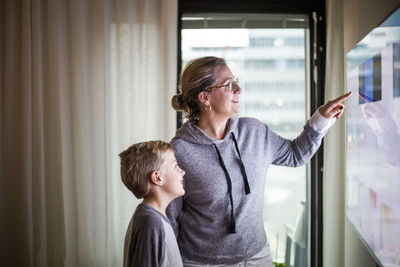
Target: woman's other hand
[(334, 108)]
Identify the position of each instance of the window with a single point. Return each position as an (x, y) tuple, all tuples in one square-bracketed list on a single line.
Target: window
[(257, 64), (259, 41), (270, 64), (257, 14)]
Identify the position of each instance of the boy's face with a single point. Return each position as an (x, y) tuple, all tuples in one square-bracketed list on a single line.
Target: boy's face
[(172, 174)]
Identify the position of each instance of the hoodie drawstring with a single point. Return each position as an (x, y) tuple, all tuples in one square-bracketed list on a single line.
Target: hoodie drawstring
[(245, 180), (232, 225)]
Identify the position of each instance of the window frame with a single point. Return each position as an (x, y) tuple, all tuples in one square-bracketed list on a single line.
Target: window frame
[(315, 11)]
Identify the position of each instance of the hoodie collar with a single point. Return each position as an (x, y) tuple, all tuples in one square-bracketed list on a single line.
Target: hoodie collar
[(190, 132)]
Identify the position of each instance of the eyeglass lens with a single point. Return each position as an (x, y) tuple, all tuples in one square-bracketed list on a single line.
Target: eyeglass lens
[(233, 85)]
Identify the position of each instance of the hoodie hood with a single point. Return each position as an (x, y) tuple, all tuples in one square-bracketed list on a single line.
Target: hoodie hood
[(190, 132)]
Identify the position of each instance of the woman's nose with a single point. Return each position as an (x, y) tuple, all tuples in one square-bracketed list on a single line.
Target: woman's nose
[(237, 89)]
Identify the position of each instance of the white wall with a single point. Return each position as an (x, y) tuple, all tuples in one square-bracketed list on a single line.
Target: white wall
[(361, 16)]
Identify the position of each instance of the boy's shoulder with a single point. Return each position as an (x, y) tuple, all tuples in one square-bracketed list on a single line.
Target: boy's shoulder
[(147, 217), (145, 238), (150, 241), (146, 225)]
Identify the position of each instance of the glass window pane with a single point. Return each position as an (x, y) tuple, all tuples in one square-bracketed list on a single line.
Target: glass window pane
[(271, 67)]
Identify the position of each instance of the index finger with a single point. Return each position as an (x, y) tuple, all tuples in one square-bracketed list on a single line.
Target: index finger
[(341, 98)]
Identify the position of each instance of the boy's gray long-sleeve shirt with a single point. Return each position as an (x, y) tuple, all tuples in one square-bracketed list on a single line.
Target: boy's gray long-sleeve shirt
[(204, 217), (150, 240)]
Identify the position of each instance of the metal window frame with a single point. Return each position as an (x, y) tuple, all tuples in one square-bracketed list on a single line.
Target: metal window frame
[(315, 10)]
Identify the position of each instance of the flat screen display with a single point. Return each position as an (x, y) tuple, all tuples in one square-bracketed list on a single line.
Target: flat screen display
[(373, 141)]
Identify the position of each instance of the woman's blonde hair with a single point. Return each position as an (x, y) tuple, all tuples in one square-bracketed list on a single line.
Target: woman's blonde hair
[(198, 75)]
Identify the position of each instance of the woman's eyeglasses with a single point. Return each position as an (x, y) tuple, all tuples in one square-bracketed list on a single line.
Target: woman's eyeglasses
[(233, 86)]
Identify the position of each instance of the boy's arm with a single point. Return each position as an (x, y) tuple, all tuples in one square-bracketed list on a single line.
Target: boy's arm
[(149, 246), (174, 210)]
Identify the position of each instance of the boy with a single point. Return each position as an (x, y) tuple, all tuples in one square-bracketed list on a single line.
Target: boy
[(150, 171)]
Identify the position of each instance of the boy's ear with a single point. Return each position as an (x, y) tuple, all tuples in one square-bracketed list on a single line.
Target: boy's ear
[(204, 98), (155, 178)]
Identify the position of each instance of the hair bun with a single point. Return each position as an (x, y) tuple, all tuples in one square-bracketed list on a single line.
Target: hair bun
[(177, 102)]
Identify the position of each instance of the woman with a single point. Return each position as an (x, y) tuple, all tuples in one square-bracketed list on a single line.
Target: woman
[(219, 220)]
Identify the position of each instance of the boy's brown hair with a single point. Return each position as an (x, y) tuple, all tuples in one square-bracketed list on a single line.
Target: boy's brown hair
[(137, 163)]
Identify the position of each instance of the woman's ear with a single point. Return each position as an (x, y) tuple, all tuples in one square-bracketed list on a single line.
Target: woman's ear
[(204, 98), (155, 178)]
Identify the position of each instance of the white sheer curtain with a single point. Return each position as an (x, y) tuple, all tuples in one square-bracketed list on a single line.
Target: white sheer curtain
[(334, 152), (80, 81)]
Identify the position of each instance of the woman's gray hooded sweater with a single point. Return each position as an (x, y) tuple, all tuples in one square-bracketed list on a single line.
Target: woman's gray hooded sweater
[(219, 220)]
